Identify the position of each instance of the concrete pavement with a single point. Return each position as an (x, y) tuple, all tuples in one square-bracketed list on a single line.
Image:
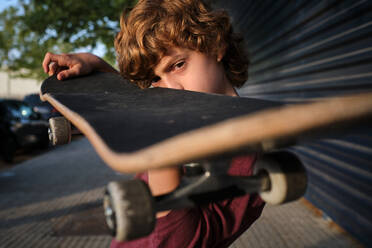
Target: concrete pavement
[(54, 200)]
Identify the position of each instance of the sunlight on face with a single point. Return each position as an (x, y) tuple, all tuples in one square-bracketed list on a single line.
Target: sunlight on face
[(186, 69)]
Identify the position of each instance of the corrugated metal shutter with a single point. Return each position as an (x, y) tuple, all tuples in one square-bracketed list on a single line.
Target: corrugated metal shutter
[(303, 50)]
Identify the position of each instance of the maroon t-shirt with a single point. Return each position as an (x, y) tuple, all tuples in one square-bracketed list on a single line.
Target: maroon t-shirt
[(213, 225)]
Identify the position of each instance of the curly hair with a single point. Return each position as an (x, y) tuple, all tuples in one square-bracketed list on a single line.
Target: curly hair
[(152, 26)]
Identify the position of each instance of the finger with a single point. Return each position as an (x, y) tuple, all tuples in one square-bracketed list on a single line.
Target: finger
[(60, 69), (52, 68), (55, 69), (73, 72), (59, 59), (47, 59)]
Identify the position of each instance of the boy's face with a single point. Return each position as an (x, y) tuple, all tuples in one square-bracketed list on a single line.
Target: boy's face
[(186, 69)]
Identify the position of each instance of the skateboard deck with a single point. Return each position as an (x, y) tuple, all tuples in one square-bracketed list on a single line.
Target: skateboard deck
[(134, 130)]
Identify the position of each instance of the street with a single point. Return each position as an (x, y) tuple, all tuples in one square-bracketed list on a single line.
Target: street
[(54, 200)]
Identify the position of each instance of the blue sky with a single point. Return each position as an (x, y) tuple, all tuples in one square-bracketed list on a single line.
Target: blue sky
[(6, 3)]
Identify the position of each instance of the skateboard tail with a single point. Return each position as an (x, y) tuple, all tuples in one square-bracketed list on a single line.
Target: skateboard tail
[(263, 131)]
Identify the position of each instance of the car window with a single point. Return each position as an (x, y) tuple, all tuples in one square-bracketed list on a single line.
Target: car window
[(32, 99)]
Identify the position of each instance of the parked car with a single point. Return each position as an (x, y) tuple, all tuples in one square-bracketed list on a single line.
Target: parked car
[(43, 108), (20, 128)]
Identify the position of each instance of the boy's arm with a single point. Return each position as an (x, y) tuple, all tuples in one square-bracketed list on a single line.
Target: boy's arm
[(163, 181), (73, 65)]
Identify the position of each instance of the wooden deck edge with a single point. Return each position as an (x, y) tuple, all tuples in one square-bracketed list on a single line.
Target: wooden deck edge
[(251, 129)]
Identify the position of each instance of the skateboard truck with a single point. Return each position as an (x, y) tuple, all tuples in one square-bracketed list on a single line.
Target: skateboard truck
[(130, 208)]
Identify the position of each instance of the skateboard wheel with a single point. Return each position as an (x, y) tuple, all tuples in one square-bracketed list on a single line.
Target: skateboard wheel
[(129, 209), (287, 177), (59, 131)]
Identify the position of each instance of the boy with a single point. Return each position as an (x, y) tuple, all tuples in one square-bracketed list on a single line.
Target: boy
[(180, 44)]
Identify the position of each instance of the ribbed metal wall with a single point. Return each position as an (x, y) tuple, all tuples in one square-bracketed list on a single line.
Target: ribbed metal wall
[(305, 50)]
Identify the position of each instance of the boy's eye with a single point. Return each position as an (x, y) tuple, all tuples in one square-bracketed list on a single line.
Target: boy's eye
[(155, 79), (179, 64)]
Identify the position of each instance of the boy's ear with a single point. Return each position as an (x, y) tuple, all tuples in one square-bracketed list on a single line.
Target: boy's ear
[(221, 54)]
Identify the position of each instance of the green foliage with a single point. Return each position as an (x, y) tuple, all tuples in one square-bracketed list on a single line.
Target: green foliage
[(31, 28)]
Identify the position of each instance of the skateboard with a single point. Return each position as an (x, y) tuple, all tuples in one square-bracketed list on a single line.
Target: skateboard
[(134, 130)]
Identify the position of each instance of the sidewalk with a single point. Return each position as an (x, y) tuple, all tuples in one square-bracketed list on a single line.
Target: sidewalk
[(54, 200)]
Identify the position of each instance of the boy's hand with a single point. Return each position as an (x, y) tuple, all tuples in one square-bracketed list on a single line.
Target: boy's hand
[(69, 65), (73, 65)]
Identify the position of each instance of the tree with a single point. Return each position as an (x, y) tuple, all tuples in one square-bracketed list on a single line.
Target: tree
[(31, 28)]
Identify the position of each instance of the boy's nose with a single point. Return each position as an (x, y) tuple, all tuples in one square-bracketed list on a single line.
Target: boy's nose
[(172, 84)]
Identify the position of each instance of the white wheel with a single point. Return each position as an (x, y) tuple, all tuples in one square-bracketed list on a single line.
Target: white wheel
[(59, 131), (287, 177), (129, 209)]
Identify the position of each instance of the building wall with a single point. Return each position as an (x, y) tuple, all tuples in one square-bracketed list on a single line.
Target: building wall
[(17, 87), (303, 50)]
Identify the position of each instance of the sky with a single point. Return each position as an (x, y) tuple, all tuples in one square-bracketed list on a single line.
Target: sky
[(6, 3)]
